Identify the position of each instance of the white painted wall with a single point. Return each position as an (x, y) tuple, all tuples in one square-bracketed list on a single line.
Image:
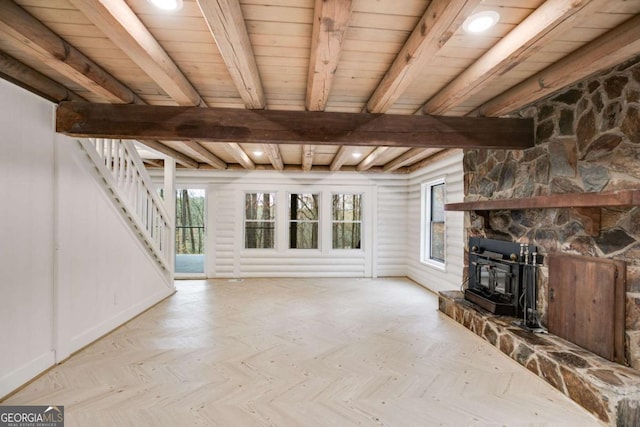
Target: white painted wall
[(392, 218), (52, 303), (429, 276), (384, 224), (26, 236), (393, 235), (104, 274)]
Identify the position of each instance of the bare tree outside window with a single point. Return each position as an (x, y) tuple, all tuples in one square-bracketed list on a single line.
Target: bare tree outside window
[(190, 230), (190, 205), (437, 223), (303, 221), (259, 220), (346, 221)]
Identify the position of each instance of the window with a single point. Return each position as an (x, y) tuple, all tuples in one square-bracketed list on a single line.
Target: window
[(190, 235), (346, 221), (433, 223), (303, 221), (259, 220)]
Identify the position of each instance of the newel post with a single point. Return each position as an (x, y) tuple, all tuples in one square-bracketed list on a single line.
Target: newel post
[(170, 205)]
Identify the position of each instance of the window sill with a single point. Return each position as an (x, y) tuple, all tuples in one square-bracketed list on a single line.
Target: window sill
[(434, 264)]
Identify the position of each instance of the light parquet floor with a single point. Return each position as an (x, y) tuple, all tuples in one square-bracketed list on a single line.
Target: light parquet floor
[(298, 352)]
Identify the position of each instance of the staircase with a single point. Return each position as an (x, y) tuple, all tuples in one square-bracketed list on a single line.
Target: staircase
[(125, 178)]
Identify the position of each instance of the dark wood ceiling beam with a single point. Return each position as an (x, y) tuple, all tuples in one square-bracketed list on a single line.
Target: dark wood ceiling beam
[(613, 48), (291, 127), (439, 22), (330, 23), (34, 81), (552, 19), (227, 24), (36, 39)]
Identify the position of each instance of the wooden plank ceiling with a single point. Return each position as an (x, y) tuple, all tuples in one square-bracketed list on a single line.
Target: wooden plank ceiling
[(338, 56)]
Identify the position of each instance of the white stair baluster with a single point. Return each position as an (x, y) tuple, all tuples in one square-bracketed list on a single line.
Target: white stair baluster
[(124, 173)]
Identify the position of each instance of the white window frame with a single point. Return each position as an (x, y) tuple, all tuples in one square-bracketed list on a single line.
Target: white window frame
[(425, 225), (319, 221), (361, 222), (205, 231), (245, 220)]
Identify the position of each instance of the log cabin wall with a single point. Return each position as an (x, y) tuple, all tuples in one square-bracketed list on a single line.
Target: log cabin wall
[(587, 140), (384, 247)]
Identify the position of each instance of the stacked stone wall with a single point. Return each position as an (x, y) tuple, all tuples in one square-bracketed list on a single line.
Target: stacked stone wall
[(587, 140)]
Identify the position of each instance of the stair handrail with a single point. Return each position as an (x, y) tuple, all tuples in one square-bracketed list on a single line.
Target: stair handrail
[(122, 169)]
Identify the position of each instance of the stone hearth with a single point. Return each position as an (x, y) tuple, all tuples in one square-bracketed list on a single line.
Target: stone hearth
[(608, 390)]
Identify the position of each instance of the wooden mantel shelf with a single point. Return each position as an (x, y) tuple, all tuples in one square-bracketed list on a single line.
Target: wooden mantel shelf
[(584, 204), (573, 200)]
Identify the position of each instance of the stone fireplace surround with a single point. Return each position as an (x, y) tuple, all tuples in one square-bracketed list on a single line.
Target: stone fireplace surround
[(608, 390), (587, 140)]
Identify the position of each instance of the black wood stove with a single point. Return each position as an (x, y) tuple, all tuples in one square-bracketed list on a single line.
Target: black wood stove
[(503, 279)]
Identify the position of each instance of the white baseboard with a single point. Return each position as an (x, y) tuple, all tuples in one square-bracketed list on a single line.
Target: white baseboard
[(86, 337), (19, 376)]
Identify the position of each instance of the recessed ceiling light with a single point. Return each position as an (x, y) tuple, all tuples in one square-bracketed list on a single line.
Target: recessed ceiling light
[(167, 4), (257, 153), (481, 21), (357, 155)]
